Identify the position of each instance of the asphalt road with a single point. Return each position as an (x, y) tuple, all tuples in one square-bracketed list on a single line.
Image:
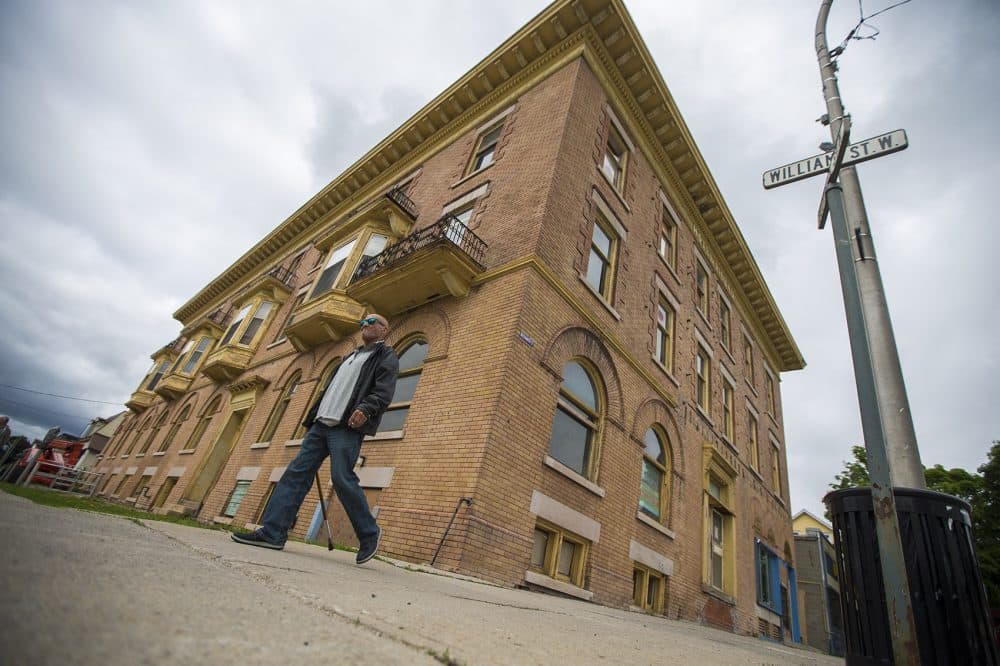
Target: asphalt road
[(85, 588)]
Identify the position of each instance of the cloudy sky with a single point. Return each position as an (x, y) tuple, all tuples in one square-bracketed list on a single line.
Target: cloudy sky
[(148, 145)]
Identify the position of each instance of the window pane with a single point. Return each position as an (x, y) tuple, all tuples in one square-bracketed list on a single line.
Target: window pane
[(375, 245), (538, 548), (570, 440), (717, 570), (333, 267), (654, 447), (596, 271), (235, 325), (652, 592), (577, 382), (255, 323), (237, 498), (649, 490), (601, 241), (567, 550), (196, 356), (393, 419), (638, 577), (405, 387), (413, 357), (180, 357)]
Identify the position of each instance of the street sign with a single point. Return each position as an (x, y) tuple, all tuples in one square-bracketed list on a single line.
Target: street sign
[(877, 146)]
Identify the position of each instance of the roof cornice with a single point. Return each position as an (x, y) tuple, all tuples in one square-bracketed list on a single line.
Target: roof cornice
[(620, 58)]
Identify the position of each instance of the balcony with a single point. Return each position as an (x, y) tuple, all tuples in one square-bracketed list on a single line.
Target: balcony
[(274, 285), (392, 212), (440, 260), (173, 386), (140, 400), (227, 363), (329, 318)]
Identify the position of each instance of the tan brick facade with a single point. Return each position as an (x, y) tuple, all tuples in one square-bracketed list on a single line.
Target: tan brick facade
[(481, 418)]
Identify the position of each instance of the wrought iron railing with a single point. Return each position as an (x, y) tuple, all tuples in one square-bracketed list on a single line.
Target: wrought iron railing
[(220, 316), (449, 229), (397, 196), (174, 345), (282, 275)]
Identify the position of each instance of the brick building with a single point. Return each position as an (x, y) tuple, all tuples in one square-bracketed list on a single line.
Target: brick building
[(588, 350)]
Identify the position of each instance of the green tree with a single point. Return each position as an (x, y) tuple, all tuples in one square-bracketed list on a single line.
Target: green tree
[(981, 491)]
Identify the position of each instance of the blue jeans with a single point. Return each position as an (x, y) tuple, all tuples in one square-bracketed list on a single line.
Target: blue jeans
[(343, 445)]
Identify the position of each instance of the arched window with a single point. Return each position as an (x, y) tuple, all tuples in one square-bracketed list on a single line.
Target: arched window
[(280, 407), (575, 426), (154, 432), (206, 417), (654, 491), (411, 364), (121, 435), (137, 434), (181, 419)]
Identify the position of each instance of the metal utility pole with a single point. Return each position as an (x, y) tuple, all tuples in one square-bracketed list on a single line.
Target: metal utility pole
[(897, 423), (890, 441)]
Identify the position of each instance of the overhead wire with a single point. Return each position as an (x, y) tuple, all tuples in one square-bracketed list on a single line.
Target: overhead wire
[(863, 23), (55, 395)]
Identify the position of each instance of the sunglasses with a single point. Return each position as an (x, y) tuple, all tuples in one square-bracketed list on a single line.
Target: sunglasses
[(369, 321)]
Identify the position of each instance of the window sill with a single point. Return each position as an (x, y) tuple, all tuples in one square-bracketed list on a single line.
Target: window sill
[(718, 594), (704, 318), (554, 464), (614, 188), (222, 520), (130, 500), (293, 442), (382, 436), (730, 446), (140, 455), (729, 354), (160, 454), (778, 498), (276, 343), (471, 175), (610, 308), (260, 445), (750, 386), (667, 372), (643, 518), (645, 611), (185, 452), (670, 269), (124, 456), (704, 415), (756, 474), (541, 580), (774, 419)]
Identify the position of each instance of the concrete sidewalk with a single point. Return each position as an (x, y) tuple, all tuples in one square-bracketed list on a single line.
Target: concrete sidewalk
[(84, 588)]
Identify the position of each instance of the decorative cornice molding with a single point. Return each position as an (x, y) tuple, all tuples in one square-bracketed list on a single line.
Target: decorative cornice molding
[(603, 32)]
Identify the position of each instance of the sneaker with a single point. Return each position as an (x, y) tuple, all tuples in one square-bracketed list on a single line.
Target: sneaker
[(255, 539), (369, 547)]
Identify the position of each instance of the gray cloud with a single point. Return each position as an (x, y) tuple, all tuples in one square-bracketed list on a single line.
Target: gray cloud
[(148, 146)]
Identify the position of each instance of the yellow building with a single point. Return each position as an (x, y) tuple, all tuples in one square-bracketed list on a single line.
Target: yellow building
[(589, 352)]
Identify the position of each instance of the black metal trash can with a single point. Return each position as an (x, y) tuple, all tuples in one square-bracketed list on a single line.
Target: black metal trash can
[(950, 611)]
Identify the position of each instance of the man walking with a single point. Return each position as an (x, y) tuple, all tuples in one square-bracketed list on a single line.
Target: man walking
[(351, 407)]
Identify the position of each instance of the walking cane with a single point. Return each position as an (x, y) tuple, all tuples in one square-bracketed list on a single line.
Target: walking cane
[(322, 507)]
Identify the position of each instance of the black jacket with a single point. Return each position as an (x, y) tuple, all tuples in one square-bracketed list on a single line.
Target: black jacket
[(372, 392)]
